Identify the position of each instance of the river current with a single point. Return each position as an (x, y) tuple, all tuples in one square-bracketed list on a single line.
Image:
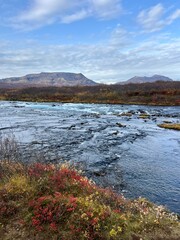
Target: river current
[(118, 146)]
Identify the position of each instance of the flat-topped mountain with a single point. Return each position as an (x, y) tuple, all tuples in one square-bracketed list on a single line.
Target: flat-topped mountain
[(145, 79), (57, 79)]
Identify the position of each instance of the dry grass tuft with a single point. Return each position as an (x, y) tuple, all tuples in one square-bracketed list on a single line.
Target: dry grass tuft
[(174, 126)]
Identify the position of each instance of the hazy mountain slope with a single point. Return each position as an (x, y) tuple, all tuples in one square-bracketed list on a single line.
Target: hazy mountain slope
[(145, 79)]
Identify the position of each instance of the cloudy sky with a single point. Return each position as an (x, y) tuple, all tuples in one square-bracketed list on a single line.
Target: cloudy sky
[(107, 40)]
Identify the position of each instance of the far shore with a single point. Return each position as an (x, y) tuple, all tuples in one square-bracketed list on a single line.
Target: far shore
[(152, 94)]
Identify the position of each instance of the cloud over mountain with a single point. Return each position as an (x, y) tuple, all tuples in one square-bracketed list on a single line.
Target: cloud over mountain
[(108, 40)]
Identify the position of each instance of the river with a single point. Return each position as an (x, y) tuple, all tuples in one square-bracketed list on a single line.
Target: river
[(119, 146)]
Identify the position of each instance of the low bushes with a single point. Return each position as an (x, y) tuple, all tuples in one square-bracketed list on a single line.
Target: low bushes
[(44, 201)]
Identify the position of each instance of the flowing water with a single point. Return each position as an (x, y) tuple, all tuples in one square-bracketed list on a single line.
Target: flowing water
[(113, 145)]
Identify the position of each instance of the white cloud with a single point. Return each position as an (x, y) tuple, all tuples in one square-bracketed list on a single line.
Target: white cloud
[(42, 12), (150, 19), (42, 9), (174, 16), (154, 19), (75, 16), (106, 8), (106, 62), (120, 36)]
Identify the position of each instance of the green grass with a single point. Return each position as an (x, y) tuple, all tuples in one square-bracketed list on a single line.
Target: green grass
[(45, 201)]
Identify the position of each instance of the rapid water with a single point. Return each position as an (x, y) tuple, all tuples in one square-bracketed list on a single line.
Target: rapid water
[(128, 153)]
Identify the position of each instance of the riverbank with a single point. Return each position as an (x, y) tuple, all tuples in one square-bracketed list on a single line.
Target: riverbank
[(155, 94), (42, 201)]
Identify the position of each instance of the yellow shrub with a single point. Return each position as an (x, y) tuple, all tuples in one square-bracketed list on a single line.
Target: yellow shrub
[(18, 185)]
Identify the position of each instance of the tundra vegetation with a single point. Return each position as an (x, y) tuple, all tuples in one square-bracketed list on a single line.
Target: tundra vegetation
[(158, 93), (56, 201)]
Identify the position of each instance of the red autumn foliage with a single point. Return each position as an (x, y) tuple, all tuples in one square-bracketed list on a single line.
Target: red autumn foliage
[(38, 169), (48, 211), (65, 178)]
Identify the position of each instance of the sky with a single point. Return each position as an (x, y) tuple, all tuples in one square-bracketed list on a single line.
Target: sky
[(106, 40)]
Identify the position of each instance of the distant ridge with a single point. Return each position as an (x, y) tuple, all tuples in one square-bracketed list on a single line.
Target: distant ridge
[(57, 79), (145, 79)]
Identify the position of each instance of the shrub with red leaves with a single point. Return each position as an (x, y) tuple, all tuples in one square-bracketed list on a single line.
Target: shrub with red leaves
[(38, 169), (7, 209), (48, 211), (67, 178)]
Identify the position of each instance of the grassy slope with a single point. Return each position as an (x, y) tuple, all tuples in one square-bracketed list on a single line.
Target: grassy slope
[(42, 202)]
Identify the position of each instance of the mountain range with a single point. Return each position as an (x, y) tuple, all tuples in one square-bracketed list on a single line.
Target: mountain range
[(145, 79), (60, 79), (57, 79)]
